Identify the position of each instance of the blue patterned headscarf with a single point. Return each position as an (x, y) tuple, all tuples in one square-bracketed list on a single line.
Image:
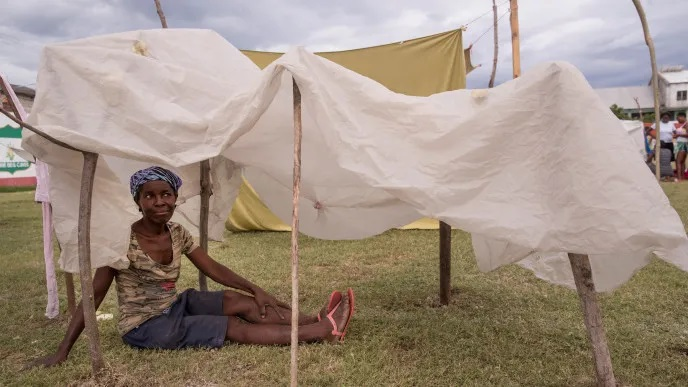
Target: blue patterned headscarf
[(152, 174)]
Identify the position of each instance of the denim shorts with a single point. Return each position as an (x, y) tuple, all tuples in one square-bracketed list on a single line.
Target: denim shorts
[(194, 320)]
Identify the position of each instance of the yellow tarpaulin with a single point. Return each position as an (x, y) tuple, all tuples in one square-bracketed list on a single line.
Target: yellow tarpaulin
[(418, 67)]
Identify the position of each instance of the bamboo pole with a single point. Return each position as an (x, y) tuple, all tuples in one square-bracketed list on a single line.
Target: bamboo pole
[(445, 263), (495, 21), (206, 190), (655, 83), (205, 210), (582, 275), (515, 38), (84, 240), (295, 236)]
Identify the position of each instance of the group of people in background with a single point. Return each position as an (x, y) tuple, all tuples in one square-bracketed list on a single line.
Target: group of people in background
[(673, 138)]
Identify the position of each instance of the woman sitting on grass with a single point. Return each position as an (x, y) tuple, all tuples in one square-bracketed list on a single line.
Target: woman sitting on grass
[(153, 315)]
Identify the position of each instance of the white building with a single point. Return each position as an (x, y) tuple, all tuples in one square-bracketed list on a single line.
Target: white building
[(673, 89), (673, 94)]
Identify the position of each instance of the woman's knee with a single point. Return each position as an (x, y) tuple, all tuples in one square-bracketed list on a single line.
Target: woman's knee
[(234, 303)]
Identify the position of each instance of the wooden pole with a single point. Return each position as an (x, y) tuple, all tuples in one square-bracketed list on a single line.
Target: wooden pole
[(10, 101), (295, 236), (37, 131), (515, 38), (69, 288), (71, 298), (445, 263), (84, 240), (161, 15), (640, 111), (655, 83), (495, 21), (205, 209), (582, 275), (206, 191)]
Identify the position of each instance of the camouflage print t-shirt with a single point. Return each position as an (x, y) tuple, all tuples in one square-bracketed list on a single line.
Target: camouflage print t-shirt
[(146, 288)]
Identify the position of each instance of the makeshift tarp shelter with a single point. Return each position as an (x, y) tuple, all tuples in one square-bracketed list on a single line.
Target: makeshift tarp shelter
[(418, 67), (533, 203), (250, 213), (372, 159), (636, 131)]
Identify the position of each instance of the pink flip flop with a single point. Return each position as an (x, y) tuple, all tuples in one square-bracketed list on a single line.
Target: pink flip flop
[(335, 299), (335, 332), (350, 294)]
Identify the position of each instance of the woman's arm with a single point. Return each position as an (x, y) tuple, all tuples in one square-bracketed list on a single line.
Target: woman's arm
[(220, 273), (101, 283), (223, 275)]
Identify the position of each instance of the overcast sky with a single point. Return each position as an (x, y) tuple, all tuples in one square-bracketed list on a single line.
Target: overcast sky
[(603, 38)]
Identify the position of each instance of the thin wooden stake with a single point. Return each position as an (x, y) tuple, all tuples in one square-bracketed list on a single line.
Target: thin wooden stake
[(206, 191), (84, 240), (655, 84), (445, 263), (640, 111), (205, 209), (515, 38), (495, 26), (295, 236), (10, 101), (69, 288), (582, 275), (161, 15), (37, 131)]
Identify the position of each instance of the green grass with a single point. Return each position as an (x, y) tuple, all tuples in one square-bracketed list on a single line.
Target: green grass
[(16, 189), (503, 328)]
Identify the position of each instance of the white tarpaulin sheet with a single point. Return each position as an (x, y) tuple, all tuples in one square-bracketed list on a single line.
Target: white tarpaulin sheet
[(635, 130), (533, 168)]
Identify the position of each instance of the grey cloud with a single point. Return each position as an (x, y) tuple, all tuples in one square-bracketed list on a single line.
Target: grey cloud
[(603, 39), (593, 35)]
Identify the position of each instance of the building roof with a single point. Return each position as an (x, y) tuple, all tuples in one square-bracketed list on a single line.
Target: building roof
[(675, 76), (624, 97), (23, 91)]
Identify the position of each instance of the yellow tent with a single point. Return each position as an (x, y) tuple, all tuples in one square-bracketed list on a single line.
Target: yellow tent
[(419, 67)]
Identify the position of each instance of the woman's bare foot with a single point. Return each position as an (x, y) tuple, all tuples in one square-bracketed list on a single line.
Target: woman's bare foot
[(331, 303)]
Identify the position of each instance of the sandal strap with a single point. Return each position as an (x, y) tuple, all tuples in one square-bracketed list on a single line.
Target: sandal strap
[(331, 307), (335, 328)]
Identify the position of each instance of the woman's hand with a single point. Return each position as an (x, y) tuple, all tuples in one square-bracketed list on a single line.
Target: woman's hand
[(263, 300), (47, 361)]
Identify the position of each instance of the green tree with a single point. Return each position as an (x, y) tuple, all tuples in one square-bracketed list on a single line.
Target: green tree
[(618, 112), (649, 117)]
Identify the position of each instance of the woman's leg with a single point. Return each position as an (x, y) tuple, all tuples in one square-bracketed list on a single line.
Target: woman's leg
[(242, 332), (681, 164), (243, 306)]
